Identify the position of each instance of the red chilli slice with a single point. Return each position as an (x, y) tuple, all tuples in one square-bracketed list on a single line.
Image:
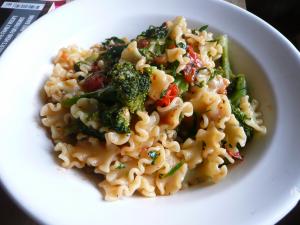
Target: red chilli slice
[(191, 68), (235, 155), (171, 93)]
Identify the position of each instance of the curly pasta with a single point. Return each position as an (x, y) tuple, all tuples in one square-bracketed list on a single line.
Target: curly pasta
[(152, 115), (254, 118), (159, 82)]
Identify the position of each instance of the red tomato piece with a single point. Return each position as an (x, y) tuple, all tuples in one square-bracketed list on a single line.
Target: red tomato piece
[(93, 83)]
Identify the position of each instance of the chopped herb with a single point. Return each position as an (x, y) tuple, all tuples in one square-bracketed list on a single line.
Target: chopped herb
[(120, 166), (153, 155), (163, 93), (173, 67), (181, 45), (213, 40), (181, 84), (196, 31), (201, 84), (172, 171), (203, 28), (148, 70)]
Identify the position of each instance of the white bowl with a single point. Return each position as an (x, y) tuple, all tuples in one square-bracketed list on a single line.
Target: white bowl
[(261, 190)]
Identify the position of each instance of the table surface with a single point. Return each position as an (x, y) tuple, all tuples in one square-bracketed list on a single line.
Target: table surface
[(11, 214)]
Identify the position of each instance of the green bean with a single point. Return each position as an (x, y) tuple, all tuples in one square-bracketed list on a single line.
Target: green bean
[(223, 40), (240, 90)]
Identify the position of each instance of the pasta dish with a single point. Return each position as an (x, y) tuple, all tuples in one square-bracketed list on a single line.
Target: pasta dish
[(153, 114)]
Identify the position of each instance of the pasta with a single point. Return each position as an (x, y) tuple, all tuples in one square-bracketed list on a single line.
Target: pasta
[(153, 115)]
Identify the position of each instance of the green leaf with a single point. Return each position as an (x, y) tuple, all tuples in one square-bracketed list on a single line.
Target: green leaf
[(203, 28), (173, 67), (153, 155), (163, 93), (95, 94), (121, 166), (172, 171), (181, 45), (181, 84)]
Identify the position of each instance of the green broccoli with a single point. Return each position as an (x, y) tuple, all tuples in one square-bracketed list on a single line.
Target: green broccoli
[(127, 86), (131, 86), (117, 118)]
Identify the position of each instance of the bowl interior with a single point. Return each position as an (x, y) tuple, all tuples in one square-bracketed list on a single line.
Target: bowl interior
[(242, 61)]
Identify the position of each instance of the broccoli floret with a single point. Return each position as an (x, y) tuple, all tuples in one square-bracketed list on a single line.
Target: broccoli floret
[(128, 87), (131, 86), (117, 118), (125, 94)]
